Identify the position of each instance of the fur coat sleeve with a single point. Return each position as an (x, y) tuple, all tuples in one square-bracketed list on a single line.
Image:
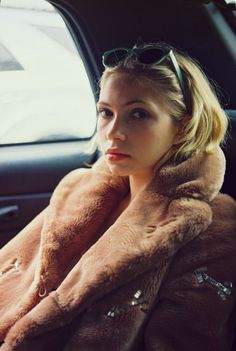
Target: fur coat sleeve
[(196, 305), (62, 270)]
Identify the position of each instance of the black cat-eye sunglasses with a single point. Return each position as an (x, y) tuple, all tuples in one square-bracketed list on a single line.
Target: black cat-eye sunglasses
[(148, 56)]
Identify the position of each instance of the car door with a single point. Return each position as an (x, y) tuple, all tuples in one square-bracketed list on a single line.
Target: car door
[(48, 113)]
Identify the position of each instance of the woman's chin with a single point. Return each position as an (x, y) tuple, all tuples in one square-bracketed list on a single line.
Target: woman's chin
[(118, 170)]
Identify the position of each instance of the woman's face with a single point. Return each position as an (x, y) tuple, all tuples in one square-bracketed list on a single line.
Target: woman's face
[(134, 129)]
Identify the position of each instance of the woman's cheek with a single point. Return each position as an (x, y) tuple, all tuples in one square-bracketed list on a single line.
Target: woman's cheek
[(100, 130)]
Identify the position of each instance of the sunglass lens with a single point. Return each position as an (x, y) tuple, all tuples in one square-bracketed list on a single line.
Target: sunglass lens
[(112, 58), (151, 56)]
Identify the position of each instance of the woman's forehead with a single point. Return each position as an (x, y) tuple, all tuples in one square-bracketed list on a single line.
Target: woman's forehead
[(127, 85), (118, 79)]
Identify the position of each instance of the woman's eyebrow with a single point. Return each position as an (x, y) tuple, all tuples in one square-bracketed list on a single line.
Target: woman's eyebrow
[(102, 103), (135, 102), (126, 104)]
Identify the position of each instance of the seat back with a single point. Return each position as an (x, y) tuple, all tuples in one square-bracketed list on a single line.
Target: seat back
[(229, 186)]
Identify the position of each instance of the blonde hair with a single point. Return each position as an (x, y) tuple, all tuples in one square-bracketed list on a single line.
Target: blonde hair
[(205, 125)]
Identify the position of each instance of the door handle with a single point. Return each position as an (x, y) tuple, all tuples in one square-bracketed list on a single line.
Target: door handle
[(8, 211)]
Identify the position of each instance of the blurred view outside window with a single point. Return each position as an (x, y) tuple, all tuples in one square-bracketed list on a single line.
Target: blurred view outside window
[(45, 93)]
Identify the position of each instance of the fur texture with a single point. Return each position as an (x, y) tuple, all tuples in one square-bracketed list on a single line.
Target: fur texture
[(61, 265)]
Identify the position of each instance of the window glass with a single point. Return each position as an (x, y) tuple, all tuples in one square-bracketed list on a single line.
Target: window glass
[(44, 89)]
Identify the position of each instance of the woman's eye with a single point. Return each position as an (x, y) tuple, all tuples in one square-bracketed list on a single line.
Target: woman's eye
[(104, 112), (140, 114)]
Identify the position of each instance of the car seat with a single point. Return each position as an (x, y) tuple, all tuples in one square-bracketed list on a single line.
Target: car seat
[(230, 153)]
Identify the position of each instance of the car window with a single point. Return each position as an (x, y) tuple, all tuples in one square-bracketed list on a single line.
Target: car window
[(45, 93)]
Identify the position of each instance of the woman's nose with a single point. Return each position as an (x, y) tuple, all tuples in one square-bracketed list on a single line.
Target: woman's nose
[(116, 130)]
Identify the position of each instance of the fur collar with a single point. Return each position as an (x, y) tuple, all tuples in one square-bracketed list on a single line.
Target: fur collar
[(79, 267), (200, 176)]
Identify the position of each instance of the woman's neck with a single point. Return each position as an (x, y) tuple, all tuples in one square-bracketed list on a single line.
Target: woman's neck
[(138, 183)]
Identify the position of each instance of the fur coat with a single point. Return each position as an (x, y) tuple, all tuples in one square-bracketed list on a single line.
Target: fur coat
[(161, 278)]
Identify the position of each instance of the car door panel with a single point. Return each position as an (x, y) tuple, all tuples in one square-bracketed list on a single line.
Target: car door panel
[(28, 176)]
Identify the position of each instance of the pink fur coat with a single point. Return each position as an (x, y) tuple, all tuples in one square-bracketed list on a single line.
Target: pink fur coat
[(161, 278)]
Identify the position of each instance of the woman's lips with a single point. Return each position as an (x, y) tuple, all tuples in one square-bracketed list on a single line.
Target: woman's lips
[(116, 156)]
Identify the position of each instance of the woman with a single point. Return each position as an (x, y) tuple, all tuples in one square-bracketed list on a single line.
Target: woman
[(136, 253)]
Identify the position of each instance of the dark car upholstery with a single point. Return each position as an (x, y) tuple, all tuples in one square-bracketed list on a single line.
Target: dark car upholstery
[(229, 149)]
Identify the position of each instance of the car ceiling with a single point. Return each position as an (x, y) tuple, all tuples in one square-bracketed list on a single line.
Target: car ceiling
[(185, 24)]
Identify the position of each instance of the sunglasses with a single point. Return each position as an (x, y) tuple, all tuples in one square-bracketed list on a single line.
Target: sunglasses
[(147, 56)]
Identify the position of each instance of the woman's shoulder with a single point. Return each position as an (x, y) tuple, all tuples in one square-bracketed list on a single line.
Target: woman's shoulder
[(71, 184), (74, 176), (74, 179), (211, 254), (221, 233), (224, 209), (217, 244)]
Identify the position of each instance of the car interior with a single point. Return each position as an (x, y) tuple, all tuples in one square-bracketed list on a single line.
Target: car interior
[(204, 29)]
